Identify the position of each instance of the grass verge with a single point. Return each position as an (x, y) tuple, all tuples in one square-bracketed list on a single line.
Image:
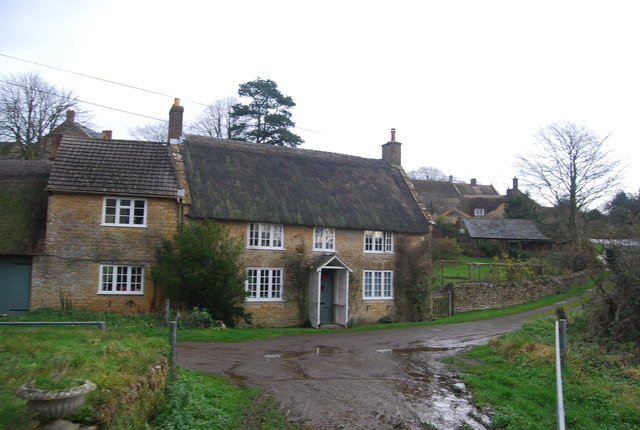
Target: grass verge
[(514, 377), (199, 401)]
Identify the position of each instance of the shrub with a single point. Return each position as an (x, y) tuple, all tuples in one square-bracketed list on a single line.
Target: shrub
[(201, 267), (446, 248)]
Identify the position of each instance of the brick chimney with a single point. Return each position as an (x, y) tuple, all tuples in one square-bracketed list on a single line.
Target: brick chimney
[(391, 152), (106, 134), (55, 144), (514, 191), (71, 115), (474, 182), (175, 122)]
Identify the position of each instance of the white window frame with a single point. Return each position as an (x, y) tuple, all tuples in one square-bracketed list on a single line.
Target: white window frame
[(261, 233), (264, 284), (378, 242), (121, 210), (377, 285), (121, 279), (478, 212), (324, 239)]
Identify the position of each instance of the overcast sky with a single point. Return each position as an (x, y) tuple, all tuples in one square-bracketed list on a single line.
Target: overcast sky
[(466, 84)]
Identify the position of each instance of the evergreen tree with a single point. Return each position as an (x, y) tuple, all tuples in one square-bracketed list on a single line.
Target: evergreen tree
[(266, 119)]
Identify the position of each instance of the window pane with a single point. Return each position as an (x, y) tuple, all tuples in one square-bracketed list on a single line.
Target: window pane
[(367, 284), (121, 278), (107, 278), (276, 284)]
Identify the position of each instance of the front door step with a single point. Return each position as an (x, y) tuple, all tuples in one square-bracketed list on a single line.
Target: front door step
[(331, 326)]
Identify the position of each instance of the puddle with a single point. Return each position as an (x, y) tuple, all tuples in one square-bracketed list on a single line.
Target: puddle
[(318, 350)]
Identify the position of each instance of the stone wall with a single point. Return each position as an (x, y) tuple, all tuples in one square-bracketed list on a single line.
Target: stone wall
[(76, 244), (470, 296)]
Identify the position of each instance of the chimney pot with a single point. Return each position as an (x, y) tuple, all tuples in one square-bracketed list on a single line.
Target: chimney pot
[(106, 134), (391, 152)]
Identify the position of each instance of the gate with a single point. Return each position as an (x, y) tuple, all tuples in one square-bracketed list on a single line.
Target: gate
[(441, 305)]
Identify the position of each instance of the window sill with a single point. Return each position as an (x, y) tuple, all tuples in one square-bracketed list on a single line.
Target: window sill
[(264, 248), (120, 293), (124, 225), (377, 298), (264, 300)]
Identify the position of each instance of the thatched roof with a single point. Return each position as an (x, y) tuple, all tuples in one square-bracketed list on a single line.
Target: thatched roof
[(504, 229), (23, 206), (234, 180), (121, 167)]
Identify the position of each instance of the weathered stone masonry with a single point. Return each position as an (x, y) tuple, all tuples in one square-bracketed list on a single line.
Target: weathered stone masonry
[(470, 296)]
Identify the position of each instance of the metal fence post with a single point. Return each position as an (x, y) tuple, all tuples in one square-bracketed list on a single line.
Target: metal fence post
[(559, 393), (166, 311), (562, 334), (173, 325)]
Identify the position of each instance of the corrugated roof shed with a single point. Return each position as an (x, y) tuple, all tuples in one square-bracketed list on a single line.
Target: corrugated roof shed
[(23, 205), (504, 229), (234, 180), (121, 167)]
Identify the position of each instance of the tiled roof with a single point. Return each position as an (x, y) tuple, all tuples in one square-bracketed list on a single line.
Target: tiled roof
[(504, 229), (256, 182), (23, 205), (114, 167)]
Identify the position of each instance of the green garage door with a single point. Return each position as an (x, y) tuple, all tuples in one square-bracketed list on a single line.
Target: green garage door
[(15, 285)]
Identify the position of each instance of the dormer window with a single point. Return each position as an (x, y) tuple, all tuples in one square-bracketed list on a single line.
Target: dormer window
[(124, 212), (478, 212)]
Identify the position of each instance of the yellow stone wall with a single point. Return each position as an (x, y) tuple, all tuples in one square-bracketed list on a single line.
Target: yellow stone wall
[(76, 244)]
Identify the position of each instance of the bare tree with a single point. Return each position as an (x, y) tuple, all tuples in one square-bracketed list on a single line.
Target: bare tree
[(30, 108), (216, 120), (153, 132), (570, 167), (428, 173)]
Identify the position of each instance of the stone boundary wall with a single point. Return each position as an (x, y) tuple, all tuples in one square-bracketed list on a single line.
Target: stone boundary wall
[(471, 296)]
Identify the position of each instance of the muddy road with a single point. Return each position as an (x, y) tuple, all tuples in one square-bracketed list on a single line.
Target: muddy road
[(381, 379)]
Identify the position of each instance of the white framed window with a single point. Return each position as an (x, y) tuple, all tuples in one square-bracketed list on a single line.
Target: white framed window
[(266, 236), (378, 241), (263, 284), (125, 212), (324, 239), (121, 279), (378, 284), (478, 212)]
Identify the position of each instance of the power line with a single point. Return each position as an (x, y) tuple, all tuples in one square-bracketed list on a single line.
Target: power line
[(120, 84), (100, 79), (84, 101)]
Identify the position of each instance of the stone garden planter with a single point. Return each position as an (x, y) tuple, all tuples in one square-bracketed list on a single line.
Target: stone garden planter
[(54, 403)]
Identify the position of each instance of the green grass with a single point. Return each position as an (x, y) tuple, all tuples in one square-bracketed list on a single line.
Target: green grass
[(200, 401), (113, 359), (514, 377)]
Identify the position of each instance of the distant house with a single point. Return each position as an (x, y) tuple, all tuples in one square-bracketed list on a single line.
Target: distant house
[(511, 234), (348, 219), (23, 216), (69, 128), (460, 200)]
